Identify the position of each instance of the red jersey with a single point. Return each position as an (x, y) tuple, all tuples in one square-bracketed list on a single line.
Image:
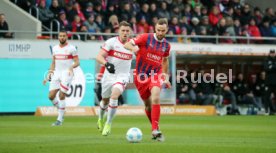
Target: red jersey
[(151, 53)]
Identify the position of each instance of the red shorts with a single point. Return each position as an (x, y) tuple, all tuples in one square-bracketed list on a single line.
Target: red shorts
[(144, 86)]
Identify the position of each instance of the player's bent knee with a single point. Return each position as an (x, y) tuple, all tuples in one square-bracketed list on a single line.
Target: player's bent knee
[(51, 96), (62, 96), (155, 99)]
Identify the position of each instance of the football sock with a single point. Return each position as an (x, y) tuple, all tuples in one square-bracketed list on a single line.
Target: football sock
[(55, 101), (112, 108), (155, 115), (102, 110), (61, 110)]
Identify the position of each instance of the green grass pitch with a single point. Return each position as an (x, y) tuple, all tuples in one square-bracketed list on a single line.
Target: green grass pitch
[(184, 134)]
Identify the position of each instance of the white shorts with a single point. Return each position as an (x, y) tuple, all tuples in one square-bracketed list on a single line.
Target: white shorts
[(61, 80), (113, 81)]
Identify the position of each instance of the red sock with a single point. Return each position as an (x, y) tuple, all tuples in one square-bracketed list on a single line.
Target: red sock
[(155, 115), (148, 114)]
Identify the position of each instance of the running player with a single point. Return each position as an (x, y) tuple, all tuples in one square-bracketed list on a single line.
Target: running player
[(65, 59), (117, 61), (152, 62)]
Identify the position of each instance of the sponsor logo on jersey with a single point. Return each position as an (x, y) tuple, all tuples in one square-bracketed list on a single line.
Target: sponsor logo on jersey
[(154, 57), (120, 55)]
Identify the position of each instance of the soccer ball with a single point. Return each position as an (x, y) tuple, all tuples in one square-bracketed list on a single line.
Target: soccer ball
[(134, 135)]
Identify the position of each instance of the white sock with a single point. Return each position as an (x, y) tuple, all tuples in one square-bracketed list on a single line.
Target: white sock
[(112, 108), (55, 101), (61, 110), (102, 110)]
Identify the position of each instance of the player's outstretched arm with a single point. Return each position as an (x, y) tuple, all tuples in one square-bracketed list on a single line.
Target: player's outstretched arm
[(50, 72), (130, 46)]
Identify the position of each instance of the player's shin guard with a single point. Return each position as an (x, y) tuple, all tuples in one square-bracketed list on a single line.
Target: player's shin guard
[(112, 108), (55, 101), (155, 115), (102, 110), (61, 110)]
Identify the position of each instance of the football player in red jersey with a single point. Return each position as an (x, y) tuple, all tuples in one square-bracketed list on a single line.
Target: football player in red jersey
[(152, 51)]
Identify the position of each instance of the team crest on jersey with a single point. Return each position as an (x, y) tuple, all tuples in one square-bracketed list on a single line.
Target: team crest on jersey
[(163, 49)]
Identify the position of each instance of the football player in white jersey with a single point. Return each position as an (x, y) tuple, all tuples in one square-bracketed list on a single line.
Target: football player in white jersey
[(117, 62), (65, 59)]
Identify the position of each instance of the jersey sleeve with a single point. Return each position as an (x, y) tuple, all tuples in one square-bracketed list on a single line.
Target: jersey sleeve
[(140, 39), (74, 51), (107, 46), (167, 52)]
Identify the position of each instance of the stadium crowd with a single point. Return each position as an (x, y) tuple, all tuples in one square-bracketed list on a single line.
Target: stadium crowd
[(257, 91), (186, 17)]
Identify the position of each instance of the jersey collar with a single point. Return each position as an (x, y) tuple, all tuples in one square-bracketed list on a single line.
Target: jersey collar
[(155, 37)]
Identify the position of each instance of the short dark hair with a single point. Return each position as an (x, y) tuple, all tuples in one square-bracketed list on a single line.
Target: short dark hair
[(2, 14), (63, 31), (162, 21), (124, 23)]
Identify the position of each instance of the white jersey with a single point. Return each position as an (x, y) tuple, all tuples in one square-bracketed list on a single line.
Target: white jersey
[(64, 56), (118, 55)]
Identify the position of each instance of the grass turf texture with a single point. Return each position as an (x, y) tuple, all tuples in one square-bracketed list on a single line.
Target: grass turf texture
[(228, 134)]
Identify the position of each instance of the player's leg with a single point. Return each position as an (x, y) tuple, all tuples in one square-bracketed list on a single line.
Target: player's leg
[(117, 90), (53, 97), (106, 92), (155, 113), (54, 88), (147, 103), (66, 79)]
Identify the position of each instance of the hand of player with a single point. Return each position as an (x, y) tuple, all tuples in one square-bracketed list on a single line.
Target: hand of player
[(135, 49), (44, 82), (110, 67), (167, 84), (71, 71)]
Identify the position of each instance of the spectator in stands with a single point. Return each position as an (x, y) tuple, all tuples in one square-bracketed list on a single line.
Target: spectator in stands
[(237, 13), (64, 23), (174, 26), (223, 5), (230, 28), (253, 30), (237, 27), (214, 16), (184, 24), (92, 27), (257, 16), (265, 30), (171, 39), (176, 12), (273, 27), (70, 13), (144, 13), (179, 4), (126, 13), (270, 69), (55, 8), (197, 12), (245, 15), (152, 12), (187, 13), (77, 11), (76, 24), (4, 27), (142, 26), (113, 22), (88, 11), (229, 12), (204, 11), (163, 11), (270, 14), (110, 11), (182, 90), (98, 9), (206, 90), (133, 23), (45, 15), (100, 23)]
